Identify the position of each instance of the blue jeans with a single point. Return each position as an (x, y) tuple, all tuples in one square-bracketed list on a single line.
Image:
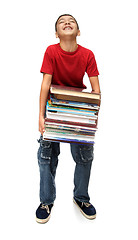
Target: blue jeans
[(48, 160)]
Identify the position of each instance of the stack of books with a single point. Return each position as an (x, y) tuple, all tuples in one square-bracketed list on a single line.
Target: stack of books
[(71, 115)]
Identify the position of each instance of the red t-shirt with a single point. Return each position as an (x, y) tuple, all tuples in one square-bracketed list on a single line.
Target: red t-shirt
[(68, 68)]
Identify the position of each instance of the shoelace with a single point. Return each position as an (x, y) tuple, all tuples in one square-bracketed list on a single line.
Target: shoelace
[(86, 204), (45, 207)]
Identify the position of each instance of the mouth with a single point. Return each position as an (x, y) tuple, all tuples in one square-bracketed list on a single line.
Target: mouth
[(67, 28)]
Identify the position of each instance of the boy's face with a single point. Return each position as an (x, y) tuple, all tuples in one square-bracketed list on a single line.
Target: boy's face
[(67, 26)]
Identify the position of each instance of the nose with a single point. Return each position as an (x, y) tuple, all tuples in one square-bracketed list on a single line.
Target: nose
[(67, 22)]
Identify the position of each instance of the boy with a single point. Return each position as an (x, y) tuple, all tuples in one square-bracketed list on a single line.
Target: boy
[(65, 64)]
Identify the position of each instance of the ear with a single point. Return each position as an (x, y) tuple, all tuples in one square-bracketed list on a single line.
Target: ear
[(78, 33), (56, 34)]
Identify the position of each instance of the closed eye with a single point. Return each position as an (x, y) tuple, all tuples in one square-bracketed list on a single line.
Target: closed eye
[(61, 22)]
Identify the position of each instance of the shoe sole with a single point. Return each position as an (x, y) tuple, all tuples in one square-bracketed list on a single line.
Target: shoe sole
[(42, 220), (84, 214)]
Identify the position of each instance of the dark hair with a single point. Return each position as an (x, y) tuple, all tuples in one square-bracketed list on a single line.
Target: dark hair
[(65, 15)]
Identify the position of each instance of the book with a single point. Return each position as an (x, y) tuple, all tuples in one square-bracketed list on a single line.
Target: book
[(69, 140), (64, 137), (54, 126), (69, 109), (71, 117), (58, 102), (75, 94), (74, 125)]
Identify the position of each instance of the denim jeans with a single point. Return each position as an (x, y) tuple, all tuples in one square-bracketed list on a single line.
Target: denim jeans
[(48, 160)]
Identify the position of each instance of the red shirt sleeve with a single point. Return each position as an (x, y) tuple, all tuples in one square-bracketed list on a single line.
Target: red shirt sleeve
[(92, 69), (47, 64)]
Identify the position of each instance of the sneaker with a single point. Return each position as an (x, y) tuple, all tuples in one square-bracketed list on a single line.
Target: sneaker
[(43, 213), (87, 209)]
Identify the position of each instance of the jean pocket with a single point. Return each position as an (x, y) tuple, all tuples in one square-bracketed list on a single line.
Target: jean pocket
[(44, 152), (86, 153)]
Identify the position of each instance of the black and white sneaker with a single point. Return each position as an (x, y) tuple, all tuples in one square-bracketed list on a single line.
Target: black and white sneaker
[(43, 213), (87, 209)]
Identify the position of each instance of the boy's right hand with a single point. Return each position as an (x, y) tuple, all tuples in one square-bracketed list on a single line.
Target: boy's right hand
[(41, 124)]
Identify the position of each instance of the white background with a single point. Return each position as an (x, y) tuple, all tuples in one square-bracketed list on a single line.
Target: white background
[(109, 29)]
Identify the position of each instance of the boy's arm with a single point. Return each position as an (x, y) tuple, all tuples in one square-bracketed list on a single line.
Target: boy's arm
[(47, 78), (95, 84)]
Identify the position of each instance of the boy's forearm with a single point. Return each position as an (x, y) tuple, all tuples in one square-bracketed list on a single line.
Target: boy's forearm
[(95, 84), (43, 100), (44, 94)]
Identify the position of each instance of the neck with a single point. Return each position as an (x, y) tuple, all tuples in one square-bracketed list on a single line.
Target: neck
[(68, 45)]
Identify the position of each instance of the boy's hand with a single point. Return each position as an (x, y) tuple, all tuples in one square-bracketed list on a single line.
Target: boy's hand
[(41, 124)]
